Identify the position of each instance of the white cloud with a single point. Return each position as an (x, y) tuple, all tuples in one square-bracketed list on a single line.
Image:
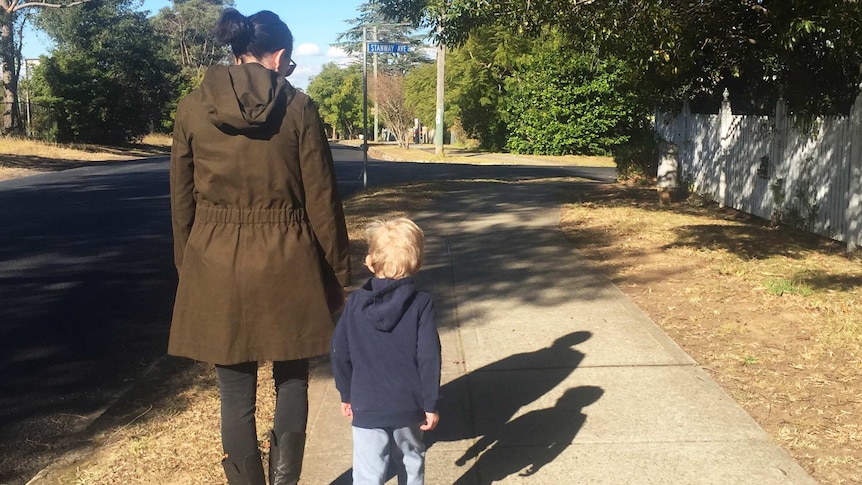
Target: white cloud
[(340, 57), (306, 50), (430, 52), (303, 71), (336, 53)]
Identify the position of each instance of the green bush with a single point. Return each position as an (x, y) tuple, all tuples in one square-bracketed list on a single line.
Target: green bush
[(637, 158), (562, 103)]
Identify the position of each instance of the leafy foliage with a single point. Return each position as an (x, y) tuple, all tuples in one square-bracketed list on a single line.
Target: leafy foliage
[(420, 92), (807, 50), (562, 103), (383, 30), (107, 80), (12, 20), (476, 79), (188, 26), (637, 157), (338, 94)]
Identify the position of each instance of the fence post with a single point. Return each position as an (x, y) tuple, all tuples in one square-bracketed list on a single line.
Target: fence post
[(726, 118), (778, 156), (854, 208), (685, 145)]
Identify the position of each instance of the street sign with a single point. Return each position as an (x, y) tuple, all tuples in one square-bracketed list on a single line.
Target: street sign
[(387, 48)]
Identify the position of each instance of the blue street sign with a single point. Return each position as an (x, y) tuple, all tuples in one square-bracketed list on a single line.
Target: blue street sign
[(387, 48)]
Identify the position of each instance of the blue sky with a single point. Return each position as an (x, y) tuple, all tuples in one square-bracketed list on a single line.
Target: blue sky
[(315, 26)]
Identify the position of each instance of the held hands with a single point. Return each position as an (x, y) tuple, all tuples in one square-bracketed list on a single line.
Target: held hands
[(346, 410), (335, 298), (431, 420)]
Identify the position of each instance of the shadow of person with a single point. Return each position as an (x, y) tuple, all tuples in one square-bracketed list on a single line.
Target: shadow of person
[(508, 385), (529, 442)]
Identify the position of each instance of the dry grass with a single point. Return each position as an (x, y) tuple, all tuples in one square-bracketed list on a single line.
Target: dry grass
[(83, 152), (167, 430), (425, 153), (772, 314), (22, 157), (157, 140), (34, 148)]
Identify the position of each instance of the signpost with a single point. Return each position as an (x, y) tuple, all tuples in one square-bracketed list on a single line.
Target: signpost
[(372, 48), (387, 48)]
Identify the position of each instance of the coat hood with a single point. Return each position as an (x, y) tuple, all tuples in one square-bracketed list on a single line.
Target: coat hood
[(245, 97), (383, 301)]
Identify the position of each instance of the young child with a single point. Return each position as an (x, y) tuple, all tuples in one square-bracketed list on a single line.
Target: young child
[(386, 358)]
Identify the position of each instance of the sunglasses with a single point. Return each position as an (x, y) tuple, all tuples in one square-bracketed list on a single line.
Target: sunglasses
[(290, 68)]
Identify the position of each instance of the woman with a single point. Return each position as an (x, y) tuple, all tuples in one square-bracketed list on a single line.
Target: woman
[(260, 240)]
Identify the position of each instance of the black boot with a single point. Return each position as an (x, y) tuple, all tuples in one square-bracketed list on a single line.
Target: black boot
[(285, 458), (249, 471)]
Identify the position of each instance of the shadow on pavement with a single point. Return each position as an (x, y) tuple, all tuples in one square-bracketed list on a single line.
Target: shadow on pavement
[(530, 441), (87, 285), (505, 387)]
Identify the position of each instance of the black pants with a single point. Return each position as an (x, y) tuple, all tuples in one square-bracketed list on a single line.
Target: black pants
[(238, 391)]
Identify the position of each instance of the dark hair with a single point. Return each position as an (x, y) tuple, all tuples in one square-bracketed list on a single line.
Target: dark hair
[(259, 34)]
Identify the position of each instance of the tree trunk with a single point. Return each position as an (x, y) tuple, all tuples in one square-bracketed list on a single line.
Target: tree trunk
[(10, 65)]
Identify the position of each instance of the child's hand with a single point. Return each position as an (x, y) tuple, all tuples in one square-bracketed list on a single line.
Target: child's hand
[(346, 410), (431, 420)]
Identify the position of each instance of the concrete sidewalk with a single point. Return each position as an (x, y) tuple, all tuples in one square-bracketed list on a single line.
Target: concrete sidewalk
[(550, 374)]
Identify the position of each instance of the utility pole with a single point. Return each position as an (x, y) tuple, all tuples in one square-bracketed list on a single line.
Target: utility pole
[(441, 74)]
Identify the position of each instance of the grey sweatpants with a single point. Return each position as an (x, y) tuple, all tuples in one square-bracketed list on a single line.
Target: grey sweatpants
[(371, 455)]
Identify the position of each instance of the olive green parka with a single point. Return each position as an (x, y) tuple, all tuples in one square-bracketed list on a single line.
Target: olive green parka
[(258, 223)]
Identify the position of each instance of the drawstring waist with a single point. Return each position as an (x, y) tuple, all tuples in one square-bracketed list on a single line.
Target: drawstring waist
[(205, 212)]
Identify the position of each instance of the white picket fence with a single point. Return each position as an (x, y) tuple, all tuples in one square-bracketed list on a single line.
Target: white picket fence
[(808, 173)]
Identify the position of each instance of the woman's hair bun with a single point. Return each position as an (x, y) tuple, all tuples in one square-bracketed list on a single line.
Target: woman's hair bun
[(257, 35), (234, 29)]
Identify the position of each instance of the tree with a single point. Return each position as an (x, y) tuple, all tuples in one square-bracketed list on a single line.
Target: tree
[(10, 57), (419, 91), (188, 26), (338, 94), (562, 103), (393, 108), (755, 48), (371, 19), (477, 74), (108, 80)]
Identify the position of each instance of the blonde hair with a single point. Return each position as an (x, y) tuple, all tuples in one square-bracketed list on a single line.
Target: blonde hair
[(395, 247)]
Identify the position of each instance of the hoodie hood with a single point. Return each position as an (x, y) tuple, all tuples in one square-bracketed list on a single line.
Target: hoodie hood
[(245, 97), (384, 301)]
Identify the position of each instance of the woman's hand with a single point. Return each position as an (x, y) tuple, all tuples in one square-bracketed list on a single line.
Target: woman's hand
[(335, 298)]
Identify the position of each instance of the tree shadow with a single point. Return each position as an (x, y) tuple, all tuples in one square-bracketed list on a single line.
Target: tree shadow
[(825, 280), (530, 441), (87, 285), (748, 236)]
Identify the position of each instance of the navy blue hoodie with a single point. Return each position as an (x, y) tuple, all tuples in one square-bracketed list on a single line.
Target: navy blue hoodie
[(386, 354)]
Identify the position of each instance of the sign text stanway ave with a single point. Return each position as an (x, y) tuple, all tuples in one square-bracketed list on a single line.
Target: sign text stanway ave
[(387, 48)]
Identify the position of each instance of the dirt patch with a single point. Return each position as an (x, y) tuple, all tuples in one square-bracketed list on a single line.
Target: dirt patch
[(771, 313)]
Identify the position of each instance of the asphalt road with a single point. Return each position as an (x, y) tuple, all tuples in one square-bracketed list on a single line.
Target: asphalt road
[(87, 283)]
